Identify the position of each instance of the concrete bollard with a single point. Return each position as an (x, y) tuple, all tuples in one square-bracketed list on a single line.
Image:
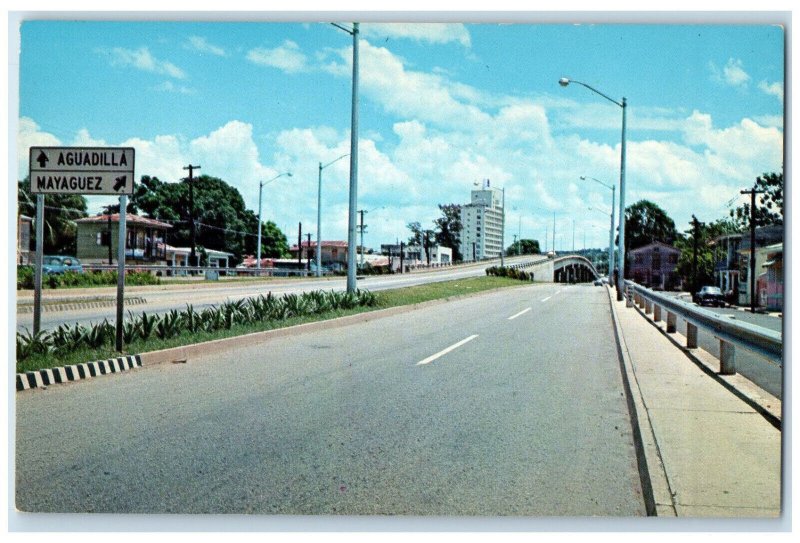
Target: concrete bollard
[(648, 307), (628, 297), (672, 322), (656, 313), (691, 336), (727, 353)]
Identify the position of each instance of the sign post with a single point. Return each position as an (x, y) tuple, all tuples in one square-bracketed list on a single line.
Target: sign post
[(91, 171), (123, 207), (37, 272)]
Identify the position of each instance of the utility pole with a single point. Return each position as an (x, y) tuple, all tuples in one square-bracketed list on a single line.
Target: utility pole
[(299, 244), (361, 231), (192, 256), (554, 232), (752, 192), (696, 225), (427, 245), (308, 253), (401, 256)]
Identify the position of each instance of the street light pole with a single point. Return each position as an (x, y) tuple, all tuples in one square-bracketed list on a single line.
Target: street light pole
[(319, 215), (260, 187), (564, 81), (611, 230), (351, 219)]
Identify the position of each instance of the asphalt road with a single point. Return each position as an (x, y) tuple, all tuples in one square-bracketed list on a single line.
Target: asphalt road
[(165, 297), (507, 403)]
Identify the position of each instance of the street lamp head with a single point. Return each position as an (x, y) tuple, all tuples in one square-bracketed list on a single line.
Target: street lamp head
[(563, 81), (583, 178)]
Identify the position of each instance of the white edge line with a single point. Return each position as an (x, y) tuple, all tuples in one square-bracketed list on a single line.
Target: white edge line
[(447, 350), (511, 318)]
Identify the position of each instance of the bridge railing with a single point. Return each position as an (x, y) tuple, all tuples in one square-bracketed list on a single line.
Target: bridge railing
[(731, 334)]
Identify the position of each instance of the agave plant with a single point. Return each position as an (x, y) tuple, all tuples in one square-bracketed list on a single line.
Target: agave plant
[(98, 334), (168, 325), (146, 325), (130, 329), (212, 319), (190, 319), (29, 344)]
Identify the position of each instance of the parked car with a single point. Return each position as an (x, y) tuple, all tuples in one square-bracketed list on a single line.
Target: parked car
[(59, 264), (710, 296), (601, 281)]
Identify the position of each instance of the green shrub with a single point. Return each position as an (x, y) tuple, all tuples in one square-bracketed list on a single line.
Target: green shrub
[(24, 277)]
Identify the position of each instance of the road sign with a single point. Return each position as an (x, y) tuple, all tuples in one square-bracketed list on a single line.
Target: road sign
[(82, 170)]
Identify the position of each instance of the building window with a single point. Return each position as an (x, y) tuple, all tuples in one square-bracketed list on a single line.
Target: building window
[(103, 238)]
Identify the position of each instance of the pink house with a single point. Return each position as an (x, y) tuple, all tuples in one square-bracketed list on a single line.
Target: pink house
[(654, 266), (771, 294)]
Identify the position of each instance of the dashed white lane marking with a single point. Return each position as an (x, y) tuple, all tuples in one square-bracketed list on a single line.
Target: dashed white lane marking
[(445, 351), (512, 317), (545, 299)]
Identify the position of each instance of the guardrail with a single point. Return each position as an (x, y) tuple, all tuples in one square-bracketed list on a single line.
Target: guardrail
[(731, 334)]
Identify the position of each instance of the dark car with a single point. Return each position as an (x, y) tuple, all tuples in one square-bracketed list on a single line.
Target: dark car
[(710, 296), (59, 264)]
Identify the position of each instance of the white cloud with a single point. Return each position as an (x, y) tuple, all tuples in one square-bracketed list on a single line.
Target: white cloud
[(731, 74), (141, 59), (743, 148), (437, 33), (201, 45), (773, 89), (30, 135), (430, 98), (287, 57), (169, 86)]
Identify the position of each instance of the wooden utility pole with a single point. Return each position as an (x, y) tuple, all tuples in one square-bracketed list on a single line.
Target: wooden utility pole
[(192, 256), (752, 192), (696, 225)]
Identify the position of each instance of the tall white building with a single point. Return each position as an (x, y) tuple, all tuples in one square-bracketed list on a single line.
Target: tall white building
[(482, 222)]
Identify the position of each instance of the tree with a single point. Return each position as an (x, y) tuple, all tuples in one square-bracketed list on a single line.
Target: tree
[(769, 204), (60, 212), (524, 247), (273, 241), (221, 219), (706, 233), (416, 233), (448, 229), (645, 223)]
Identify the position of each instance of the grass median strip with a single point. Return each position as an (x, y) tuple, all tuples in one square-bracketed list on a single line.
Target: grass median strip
[(144, 333)]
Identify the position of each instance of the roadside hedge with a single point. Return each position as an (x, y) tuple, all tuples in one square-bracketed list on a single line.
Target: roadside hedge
[(87, 279), (512, 273)]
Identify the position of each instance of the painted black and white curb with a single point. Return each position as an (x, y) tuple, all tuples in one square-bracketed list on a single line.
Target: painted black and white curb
[(51, 376)]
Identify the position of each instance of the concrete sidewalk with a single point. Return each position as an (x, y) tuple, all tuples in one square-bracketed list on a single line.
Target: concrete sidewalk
[(712, 443)]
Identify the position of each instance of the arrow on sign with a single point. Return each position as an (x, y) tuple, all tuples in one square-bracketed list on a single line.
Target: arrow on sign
[(42, 159), (120, 183)]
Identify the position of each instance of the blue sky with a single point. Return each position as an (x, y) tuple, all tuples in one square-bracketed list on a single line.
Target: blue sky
[(442, 106)]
